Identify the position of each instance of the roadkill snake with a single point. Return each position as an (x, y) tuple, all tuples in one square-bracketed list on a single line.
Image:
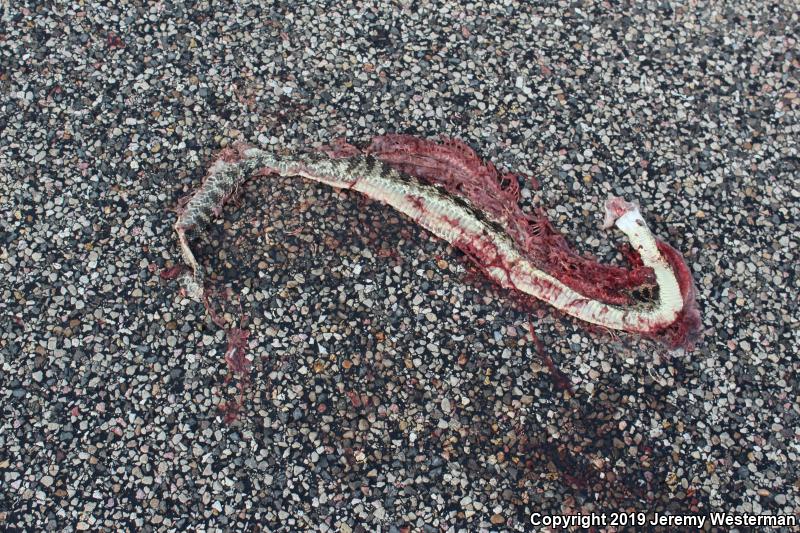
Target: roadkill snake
[(448, 190)]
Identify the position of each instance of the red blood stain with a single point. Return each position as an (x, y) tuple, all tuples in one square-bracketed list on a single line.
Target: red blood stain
[(236, 352), (171, 272)]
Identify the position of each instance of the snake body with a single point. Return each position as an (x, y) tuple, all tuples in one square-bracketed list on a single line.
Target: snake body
[(670, 314)]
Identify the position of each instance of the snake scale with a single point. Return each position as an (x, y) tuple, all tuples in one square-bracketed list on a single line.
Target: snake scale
[(659, 304)]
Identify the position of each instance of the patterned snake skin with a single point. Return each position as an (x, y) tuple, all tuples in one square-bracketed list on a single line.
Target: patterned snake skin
[(670, 316)]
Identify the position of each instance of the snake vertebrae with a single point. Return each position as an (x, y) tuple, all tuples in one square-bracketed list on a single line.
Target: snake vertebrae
[(449, 192)]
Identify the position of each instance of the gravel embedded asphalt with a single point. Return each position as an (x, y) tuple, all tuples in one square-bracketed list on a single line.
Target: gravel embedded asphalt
[(391, 388)]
